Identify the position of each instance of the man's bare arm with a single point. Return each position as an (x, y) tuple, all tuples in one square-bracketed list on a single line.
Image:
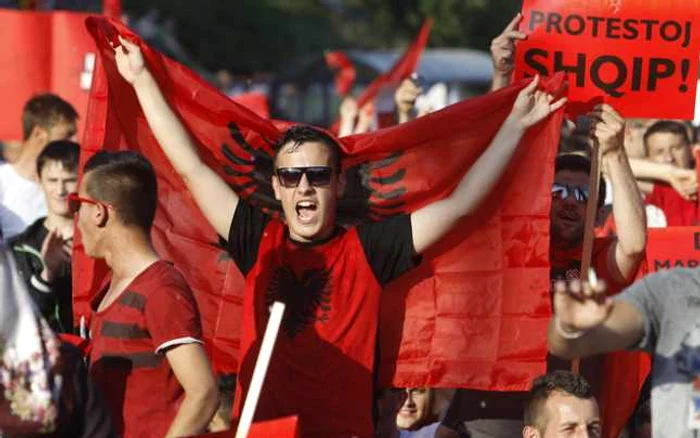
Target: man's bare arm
[(213, 196), (683, 181), (628, 210), (433, 221), (598, 324), (192, 370)]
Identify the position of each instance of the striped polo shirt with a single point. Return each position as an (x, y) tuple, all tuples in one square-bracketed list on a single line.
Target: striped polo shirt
[(155, 312)]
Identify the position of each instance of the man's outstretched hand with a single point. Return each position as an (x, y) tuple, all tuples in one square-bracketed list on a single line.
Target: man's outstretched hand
[(129, 59), (581, 306), (532, 105)]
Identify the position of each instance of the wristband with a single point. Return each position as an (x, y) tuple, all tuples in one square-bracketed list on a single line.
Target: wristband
[(565, 333)]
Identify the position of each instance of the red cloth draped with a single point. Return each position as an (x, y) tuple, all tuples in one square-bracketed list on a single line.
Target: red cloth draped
[(474, 314)]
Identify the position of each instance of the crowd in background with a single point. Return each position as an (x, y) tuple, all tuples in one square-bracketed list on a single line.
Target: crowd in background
[(649, 180)]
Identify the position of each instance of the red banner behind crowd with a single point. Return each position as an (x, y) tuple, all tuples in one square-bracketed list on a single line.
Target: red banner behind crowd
[(626, 53), (474, 314), (61, 62)]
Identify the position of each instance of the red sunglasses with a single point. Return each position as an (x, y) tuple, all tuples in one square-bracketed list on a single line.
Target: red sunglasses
[(74, 201)]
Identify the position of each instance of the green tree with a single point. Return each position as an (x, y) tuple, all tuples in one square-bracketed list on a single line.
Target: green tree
[(245, 36)]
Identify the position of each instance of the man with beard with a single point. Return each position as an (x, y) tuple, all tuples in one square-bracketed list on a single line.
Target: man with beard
[(615, 259)]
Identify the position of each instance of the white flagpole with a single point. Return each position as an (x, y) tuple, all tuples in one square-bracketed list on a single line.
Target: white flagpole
[(268, 343)]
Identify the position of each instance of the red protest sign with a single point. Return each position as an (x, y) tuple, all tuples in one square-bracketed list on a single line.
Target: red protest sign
[(641, 56), (677, 247)]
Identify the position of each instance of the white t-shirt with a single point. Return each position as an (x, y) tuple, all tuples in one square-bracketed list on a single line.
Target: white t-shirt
[(21, 202)]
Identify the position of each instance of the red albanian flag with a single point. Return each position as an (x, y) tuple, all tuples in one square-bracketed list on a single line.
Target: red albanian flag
[(402, 69), (343, 70), (473, 315)]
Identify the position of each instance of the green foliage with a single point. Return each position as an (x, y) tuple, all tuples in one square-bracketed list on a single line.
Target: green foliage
[(265, 35)]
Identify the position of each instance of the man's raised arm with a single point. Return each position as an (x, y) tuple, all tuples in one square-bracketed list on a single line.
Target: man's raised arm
[(213, 196), (630, 218), (433, 221)]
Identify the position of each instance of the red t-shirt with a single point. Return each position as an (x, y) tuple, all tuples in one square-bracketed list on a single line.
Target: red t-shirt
[(322, 365), (155, 312), (566, 265), (679, 212)]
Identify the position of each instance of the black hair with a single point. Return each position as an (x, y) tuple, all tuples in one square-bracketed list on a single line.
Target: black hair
[(557, 381), (45, 110), (127, 181), (667, 127), (579, 163), (63, 151), (300, 134)]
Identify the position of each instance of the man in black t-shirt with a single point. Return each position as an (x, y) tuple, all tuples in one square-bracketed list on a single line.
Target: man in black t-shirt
[(43, 250), (329, 278)]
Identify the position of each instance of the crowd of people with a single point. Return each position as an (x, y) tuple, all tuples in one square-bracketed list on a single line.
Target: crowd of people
[(148, 373)]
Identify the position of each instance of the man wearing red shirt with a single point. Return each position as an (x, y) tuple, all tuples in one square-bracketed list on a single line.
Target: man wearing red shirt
[(329, 277), (147, 356), (667, 142)]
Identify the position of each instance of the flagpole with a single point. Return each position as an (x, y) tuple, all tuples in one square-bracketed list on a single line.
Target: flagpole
[(589, 233), (268, 343)]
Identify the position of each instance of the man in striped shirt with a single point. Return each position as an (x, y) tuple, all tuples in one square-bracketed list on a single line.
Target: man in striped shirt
[(147, 356)]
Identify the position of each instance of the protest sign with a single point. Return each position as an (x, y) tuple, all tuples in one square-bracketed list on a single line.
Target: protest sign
[(639, 56), (676, 247)]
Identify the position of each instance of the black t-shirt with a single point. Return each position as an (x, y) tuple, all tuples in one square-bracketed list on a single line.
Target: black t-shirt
[(388, 245)]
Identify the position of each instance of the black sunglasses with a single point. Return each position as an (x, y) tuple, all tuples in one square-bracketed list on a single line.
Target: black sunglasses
[(318, 176), (563, 191)]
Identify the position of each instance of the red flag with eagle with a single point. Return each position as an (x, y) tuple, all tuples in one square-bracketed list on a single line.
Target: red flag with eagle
[(474, 314)]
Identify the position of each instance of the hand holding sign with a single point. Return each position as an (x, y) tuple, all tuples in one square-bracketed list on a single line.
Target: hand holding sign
[(503, 47), (608, 129)]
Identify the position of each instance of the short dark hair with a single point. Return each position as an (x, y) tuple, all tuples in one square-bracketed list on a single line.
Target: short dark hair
[(45, 110), (667, 127), (127, 181), (63, 151), (556, 381), (579, 163), (300, 134)]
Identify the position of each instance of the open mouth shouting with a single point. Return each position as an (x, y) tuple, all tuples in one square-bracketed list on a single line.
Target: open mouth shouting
[(306, 210)]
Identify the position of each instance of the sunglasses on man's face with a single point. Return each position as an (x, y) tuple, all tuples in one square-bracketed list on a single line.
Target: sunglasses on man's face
[(563, 191), (318, 176), (74, 201)]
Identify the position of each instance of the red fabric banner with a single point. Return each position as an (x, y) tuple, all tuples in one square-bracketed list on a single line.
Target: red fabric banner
[(343, 70), (254, 101), (402, 69), (473, 315), (43, 52), (625, 53)]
